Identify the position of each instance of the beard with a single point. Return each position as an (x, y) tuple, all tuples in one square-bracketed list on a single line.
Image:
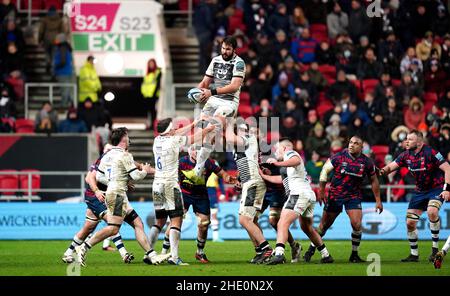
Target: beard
[(226, 57), (412, 148)]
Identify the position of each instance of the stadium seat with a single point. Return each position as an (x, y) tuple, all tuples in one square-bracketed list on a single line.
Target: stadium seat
[(368, 85), (245, 110), (9, 182), (244, 97), (430, 97), (235, 23), (25, 126), (396, 82), (328, 71), (35, 181), (380, 152), (322, 28), (323, 108), (428, 106)]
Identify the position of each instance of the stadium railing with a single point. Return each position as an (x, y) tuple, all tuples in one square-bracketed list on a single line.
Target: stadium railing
[(50, 86), (30, 193)]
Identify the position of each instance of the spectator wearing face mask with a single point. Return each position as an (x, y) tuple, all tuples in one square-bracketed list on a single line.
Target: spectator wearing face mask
[(72, 124)]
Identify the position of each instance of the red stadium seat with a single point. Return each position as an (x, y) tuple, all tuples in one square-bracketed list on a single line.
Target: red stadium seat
[(25, 126), (235, 23), (244, 97), (428, 106), (35, 181), (318, 28), (396, 82), (9, 182), (430, 97), (368, 85), (245, 110), (323, 108), (380, 151), (328, 71)]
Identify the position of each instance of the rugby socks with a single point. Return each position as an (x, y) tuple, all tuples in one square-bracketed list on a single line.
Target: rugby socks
[(356, 240), (174, 238), (202, 156), (435, 227), (446, 246), (154, 232), (166, 245), (323, 251), (200, 245), (413, 237), (264, 246), (75, 243), (215, 228), (321, 233), (279, 249), (117, 240), (106, 243)]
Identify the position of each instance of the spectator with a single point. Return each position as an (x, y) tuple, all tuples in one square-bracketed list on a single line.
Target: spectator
[(324, 55), (302, 49), (389, 53), (445, 55), (46, 119), (417, 73), (13, 60), (150, 90), (407, 89), (337, 110), (377, 131), (434, 78), (370, 106), (421, 21), (89, 83), (10, 33), (265, 109), (312, 120), (408, 59), (349, 116), (264, 49), (260, 89), (333, 130), (63, 68), (203, 20), (442, 141), (314, 167), (306, 92), (282, 92), (294, 112), (91, 114), (7, 107), (423, 48), (255, 16), (384, 88), (278, 21), (7, 10), (414, 115), (398, 143), (341, 86), (317, 141), (441, 23), (433, 120), (298, 20), (298, 147), (444, 102), (280, 42), (51, 25), (337, 21), (392, 115), (345, 54), (72, 124), (369, 68), (289, 127), (359, 23), (316, 11), (361, 48), (291, 70), (317, 77)]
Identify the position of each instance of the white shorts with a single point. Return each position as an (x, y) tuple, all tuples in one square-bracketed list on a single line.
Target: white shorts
[(252, 198), (220, 107), (117, 204), (302, 204), (167, 196)]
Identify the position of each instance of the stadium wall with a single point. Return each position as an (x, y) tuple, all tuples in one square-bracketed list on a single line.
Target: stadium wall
[(45, 221)]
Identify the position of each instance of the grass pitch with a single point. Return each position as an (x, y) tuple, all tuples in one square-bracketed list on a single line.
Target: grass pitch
[(43, 258)]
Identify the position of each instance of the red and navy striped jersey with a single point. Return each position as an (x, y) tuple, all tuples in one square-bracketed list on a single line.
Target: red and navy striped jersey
[(349, 173), (94, 167), (424, 166), (191, 187)]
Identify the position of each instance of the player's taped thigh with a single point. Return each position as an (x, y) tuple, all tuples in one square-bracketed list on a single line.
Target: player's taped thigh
[(130, 217), (203, 222), (92, 219), (412, 216), (434, 203)]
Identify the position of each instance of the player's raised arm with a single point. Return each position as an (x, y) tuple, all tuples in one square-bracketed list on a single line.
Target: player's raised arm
[(291, 162), (393, 166), (446, 193), (326, 169)]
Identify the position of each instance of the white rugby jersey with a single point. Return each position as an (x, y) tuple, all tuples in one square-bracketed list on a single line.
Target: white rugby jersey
[(223, 71), (117, 165), (295, 179), (247, 161), (166, 150)]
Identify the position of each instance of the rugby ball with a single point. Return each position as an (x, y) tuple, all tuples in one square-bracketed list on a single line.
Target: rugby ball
[(194, 95)]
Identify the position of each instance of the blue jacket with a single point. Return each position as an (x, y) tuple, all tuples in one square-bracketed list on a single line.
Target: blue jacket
[(72, 126), (62, 60)]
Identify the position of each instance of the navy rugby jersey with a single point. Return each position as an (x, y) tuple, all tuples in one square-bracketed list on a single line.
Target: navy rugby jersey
[(349, 175), (102, 187), (424, 166)]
